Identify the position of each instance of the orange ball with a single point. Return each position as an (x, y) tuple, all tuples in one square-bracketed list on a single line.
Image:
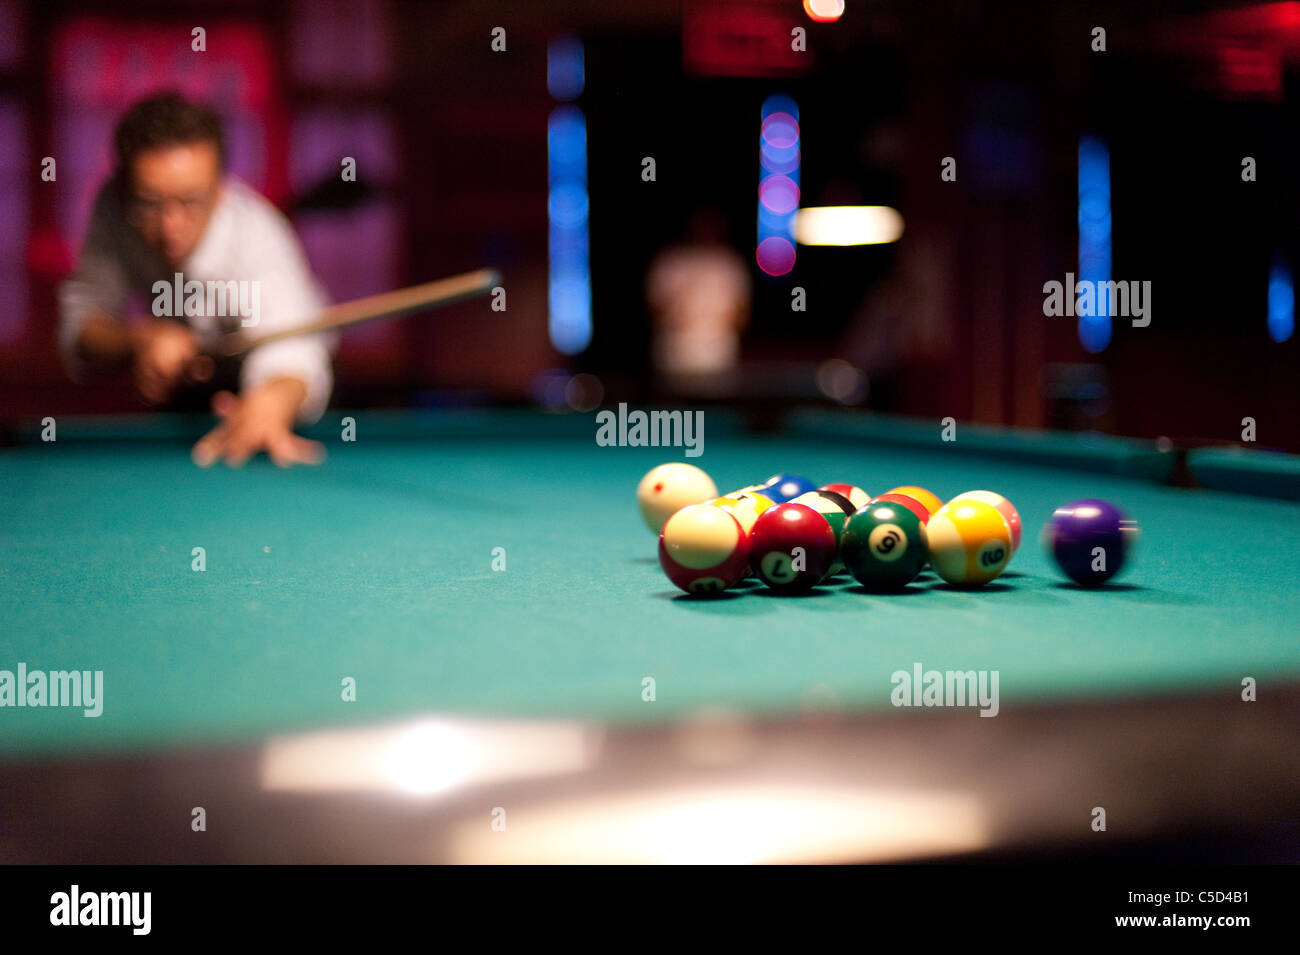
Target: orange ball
[(929, 500)]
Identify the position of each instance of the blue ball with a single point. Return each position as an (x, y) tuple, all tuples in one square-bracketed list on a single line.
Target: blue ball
[(786, 487)]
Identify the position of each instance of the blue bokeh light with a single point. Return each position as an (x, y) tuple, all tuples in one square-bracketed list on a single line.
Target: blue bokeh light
[(1095, 238), (778, 183), (569, 246), (565, 72), (1281, 302)]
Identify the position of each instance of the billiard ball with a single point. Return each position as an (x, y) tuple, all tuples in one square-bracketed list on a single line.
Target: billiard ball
[(791, 547), (786, 487), (836, 508), (929, 500), (1005, 508), (703, 549), (884, 545), (1090, 540), (857, 497), (903, 500), (669, 488), (970, 542), (744, 506), (912, 504)]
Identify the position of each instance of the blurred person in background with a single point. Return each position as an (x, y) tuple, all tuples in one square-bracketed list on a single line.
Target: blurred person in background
[(170, 208), (699, 295)]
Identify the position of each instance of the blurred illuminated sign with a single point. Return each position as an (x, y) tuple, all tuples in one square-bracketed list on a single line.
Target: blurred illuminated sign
[(742, 38)]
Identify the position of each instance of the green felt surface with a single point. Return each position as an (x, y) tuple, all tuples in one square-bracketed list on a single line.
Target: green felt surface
[(377, 566)]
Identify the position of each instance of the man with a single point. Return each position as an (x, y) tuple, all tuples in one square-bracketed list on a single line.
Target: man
[(699, 294), (170, 209)]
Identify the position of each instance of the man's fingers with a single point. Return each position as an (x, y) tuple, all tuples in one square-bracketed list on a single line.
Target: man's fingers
[(224, 403), (288, 449), (150, 385), (249, 424), (213, 446), (241, 444), (200, 369), (208, 448), (225, 443)]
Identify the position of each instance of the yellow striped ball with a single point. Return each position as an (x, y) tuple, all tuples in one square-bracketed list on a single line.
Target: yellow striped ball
[(745, 506), (970, 542)]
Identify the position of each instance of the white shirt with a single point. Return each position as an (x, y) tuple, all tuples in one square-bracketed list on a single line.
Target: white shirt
[(700, 295), (246, 239)]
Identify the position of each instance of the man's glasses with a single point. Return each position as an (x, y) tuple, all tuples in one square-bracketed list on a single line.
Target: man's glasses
[(153, 208)]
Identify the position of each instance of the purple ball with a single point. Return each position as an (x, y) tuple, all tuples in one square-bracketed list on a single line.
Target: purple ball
[(1090, 540)]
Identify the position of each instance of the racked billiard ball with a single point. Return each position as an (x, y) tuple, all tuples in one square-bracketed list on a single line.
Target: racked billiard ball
[(930, 500), (669, 488), (1090, 540), (791, 547), (835, 508), (911, 503), (744, 506), (1005, 508), (857, 497), (884, 545), (903, 500), (786, 487), (970, 542), (703, 549)]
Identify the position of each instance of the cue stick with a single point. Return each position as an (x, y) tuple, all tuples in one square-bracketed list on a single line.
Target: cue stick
[(384, 305)]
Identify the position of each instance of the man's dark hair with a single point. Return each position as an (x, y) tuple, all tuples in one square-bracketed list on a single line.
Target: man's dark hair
[(167, 119)]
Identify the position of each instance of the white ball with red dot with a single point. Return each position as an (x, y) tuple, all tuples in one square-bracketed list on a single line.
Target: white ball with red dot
[(665, 490)]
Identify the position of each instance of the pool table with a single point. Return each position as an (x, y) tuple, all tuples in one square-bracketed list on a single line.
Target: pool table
[(456, 629)]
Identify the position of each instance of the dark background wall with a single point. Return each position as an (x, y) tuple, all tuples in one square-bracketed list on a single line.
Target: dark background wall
[(451, 141)]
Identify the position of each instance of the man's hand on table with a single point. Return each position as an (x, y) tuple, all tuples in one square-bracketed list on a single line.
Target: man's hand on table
[(260, 419)]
